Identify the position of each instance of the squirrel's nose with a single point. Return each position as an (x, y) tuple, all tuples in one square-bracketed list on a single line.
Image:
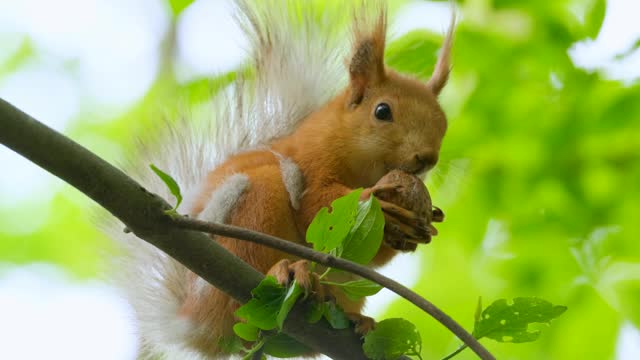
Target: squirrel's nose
[(426, 160)]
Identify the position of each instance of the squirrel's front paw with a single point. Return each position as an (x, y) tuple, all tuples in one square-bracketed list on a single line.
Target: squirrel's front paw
[(363, 323), (408, 210), (285, 272)]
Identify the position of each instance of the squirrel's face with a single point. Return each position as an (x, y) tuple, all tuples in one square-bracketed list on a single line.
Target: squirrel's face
[(400, 125), (394, 122), (397, 124)]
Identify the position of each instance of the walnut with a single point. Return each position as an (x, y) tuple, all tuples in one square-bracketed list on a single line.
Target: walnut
[(406, 229)]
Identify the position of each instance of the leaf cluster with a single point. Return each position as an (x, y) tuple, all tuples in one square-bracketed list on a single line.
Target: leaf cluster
[(353, 230)]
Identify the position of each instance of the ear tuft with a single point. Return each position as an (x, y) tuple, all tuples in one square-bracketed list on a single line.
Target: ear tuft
[(366, 66), (441, 72)]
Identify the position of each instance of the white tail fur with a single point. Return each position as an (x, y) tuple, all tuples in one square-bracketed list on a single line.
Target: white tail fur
[(296, 56)]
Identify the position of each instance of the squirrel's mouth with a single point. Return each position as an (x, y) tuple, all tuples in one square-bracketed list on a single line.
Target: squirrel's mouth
[(417, 170), (421, 172)]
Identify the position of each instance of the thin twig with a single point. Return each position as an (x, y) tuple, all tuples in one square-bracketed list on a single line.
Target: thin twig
[(458, 351), (342, 264), (257, 351)]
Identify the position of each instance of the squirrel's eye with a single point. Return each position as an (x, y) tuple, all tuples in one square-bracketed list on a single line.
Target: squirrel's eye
[(383, 112)]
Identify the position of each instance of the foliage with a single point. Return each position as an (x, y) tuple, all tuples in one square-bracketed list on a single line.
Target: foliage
[(171, 184), (352, 229), (357, 289), (505, 322), (261, 310), (349, 223), (329, 228), (391, 339)]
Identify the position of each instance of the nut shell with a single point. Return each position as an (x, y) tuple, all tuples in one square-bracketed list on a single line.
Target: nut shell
[(412, 195)]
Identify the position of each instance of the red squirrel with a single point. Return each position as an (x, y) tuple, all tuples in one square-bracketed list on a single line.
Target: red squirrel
[(281, 146)]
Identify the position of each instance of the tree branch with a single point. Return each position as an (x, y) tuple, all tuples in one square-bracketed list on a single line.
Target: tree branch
[(143, 213), (342, 264)]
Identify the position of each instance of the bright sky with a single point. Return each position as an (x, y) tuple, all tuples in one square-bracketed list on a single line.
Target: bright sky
[(111, 50)]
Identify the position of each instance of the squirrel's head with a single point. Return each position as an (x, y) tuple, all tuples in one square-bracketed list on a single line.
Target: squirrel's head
[(395, 121)]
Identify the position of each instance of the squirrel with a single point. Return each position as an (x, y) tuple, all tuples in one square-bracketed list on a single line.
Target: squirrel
[(281, 144)]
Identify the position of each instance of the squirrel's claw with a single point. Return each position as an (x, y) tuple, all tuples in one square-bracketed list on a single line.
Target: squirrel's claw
[(417, 231), (406, 216), (438, 215), (363, 324), (285, 272), (403, 237)]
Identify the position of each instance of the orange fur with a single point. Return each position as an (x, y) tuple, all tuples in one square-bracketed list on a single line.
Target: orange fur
[(264, 207)]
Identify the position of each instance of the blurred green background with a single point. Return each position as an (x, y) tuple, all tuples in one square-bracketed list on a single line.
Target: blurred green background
[(539, 173)]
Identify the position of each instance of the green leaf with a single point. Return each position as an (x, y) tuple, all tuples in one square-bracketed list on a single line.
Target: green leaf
[(357, 289), (365, 237), (178, 5), (478, 313), (293, 293), (391, 339), (335, 316), (262, 310), (171, 184), (506, 322), (329, 229), (246, 331), (230, 344), (595, 18), (284, 346), (315, 312)]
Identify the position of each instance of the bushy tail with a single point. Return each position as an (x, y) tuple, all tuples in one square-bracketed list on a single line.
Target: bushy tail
[(296, 66)]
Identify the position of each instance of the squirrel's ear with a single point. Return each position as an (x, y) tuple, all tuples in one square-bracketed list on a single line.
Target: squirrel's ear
[(366, 66), (443, 66)]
